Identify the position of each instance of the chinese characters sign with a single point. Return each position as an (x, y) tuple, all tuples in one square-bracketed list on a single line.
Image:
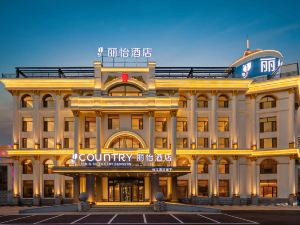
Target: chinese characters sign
[(118, 159), (124, 52)]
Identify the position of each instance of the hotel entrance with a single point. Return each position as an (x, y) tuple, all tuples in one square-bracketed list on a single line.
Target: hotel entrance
[(126, 190)]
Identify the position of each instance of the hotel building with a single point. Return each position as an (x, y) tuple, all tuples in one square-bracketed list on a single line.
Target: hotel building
[(223, 140)]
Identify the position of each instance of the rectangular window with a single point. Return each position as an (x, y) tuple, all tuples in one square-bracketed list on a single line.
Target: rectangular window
[(68, 188), (223, 142), (137, 122), (69, 124), (202, 124), (48, 124), (113, 121), (203, 188), (224, 188), (48, 142), (267, 124), (182, 143), (49, 188), (27, 143), (27, 189), (90, 142), (182, 124), (202, 142), (27, 124), (160, 142), (3, 178), (90, 124), (223, 124), (161, 124), (182, 189), (268, 188), (268, 143), (68, 143)]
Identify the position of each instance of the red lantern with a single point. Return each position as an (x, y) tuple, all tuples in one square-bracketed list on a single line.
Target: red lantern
[(124, 77)]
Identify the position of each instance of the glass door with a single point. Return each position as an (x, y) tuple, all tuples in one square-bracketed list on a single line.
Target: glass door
[(126, 193)]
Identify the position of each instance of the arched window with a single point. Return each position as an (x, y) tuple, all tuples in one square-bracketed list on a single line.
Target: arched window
[(125, 90), (27, 167), (182, 102), (223, 101), (48, 101), (67, 102), (182, 161), (26, 101), (48, 164), (69, 162), (223, 166), (268, 166), (267, 102), (125, 141), (202, 166), (202, 102)]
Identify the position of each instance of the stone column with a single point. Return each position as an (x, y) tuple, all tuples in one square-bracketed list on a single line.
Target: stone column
[(236, 181), (58, 126), (215, 181), (105, 189), (291, 119), (16, 120), (36, 181), (193, 175), (254, 191), (253, 122), (173, 136), (234, 121), (154, 186), (213, 119), (151, 132), (90, 188), (16, 185), (98, 131), (76, 188), (292, 175), (57, 184), (169, 188), (193, 122), (76, 131), (36, 119), (98, 190), (174, 189), (147, 188)]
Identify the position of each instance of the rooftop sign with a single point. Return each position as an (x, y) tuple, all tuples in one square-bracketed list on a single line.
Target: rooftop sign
[(124, 52)]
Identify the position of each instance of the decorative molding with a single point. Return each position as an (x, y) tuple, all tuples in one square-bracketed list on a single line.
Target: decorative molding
[(292, 90), (253, 159), (214, 157), (98, 113), (151, 113), (235, 157), (139, 78), (76, 113), (173, 113), (293, 157), (110, 78)]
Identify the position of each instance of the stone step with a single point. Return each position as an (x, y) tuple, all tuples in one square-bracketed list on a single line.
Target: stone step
[(124, 208)]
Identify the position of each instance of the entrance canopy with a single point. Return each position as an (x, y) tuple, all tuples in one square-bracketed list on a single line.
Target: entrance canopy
[(121, 171)]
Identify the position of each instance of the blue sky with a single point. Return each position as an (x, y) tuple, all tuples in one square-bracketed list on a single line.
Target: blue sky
[(181, 33)]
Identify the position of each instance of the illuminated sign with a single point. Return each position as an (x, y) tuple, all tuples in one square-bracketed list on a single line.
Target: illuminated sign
[(112, 159), (258, 67), (124, 52)]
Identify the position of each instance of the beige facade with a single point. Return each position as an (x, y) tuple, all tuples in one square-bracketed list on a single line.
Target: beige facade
[(231, 140)]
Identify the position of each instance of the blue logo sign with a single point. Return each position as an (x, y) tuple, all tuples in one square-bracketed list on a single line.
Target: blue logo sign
[(258, 67)]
